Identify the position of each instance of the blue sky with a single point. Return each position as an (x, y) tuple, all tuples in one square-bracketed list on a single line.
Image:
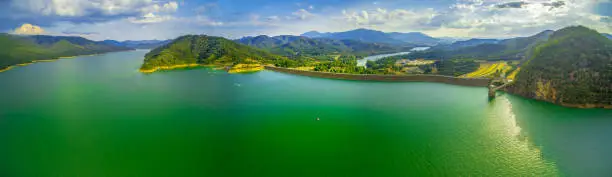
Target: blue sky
[(165, 19)]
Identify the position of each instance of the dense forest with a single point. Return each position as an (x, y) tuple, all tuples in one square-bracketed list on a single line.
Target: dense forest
[(207, 50), (574, 67), (454, 67), (23, 49)]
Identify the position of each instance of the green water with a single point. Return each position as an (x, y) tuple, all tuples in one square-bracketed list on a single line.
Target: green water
[(98, 117)]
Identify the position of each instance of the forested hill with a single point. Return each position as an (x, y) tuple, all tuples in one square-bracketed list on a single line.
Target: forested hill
[(16, 49), (202, 49), (299, 45), (573, 68)]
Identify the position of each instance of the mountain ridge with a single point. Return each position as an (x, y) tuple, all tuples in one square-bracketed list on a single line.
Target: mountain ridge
[(138, 44), (300, 45), (21, 49), (485, 49), (374, 36)]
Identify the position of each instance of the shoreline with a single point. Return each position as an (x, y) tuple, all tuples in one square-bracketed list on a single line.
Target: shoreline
[(475, 82), (6, 69), (245, 68), (26, 64), (45, 60), (567, 105), (166, 68), (585, 106), (241, 68)]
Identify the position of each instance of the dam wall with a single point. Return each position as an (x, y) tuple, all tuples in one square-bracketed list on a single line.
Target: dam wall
[(477, 82)]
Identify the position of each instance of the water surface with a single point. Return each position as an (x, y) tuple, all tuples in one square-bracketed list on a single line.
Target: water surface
[(363, 61), (97, 116)]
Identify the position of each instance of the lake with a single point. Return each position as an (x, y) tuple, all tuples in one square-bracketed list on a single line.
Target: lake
[(97, 116), (363, 61)]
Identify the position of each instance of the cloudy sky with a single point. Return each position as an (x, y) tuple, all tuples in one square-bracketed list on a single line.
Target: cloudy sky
[(164, 19)]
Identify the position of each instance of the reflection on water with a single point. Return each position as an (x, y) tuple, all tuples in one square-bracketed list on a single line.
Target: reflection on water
[(576, 140), (513, 128), (503, 127)]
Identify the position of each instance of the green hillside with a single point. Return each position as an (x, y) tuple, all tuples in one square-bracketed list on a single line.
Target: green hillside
[(574, 68), (24, 49), (205, 50)]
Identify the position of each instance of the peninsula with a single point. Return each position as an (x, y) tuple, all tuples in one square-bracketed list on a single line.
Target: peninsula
[(201, 50)]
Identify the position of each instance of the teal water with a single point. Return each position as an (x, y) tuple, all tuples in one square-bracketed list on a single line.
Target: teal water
[(97, 116)]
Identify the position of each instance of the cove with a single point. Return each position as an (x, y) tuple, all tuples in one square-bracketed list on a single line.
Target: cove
[(98, 116)]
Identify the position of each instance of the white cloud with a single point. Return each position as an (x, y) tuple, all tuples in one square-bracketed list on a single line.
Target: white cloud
[(302, 14), (29, 29), (397, 18), (169, 7), (150, 18), (79, 8), (478, 18), (466, 18), (201, 20), (273, 18)]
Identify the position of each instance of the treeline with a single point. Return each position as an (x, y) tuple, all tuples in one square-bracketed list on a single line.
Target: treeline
[(573, 67), (453, 67), (202, 49), (23, 49), (344, 64)]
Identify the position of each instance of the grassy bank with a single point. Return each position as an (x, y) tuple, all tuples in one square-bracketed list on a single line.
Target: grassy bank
[(245, 68), (165, 68)]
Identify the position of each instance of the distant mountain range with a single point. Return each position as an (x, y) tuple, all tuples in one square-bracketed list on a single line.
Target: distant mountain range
[(144, 44), (373, 36), (486, 49), (299, 45), (469, 43), (18, 49)]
